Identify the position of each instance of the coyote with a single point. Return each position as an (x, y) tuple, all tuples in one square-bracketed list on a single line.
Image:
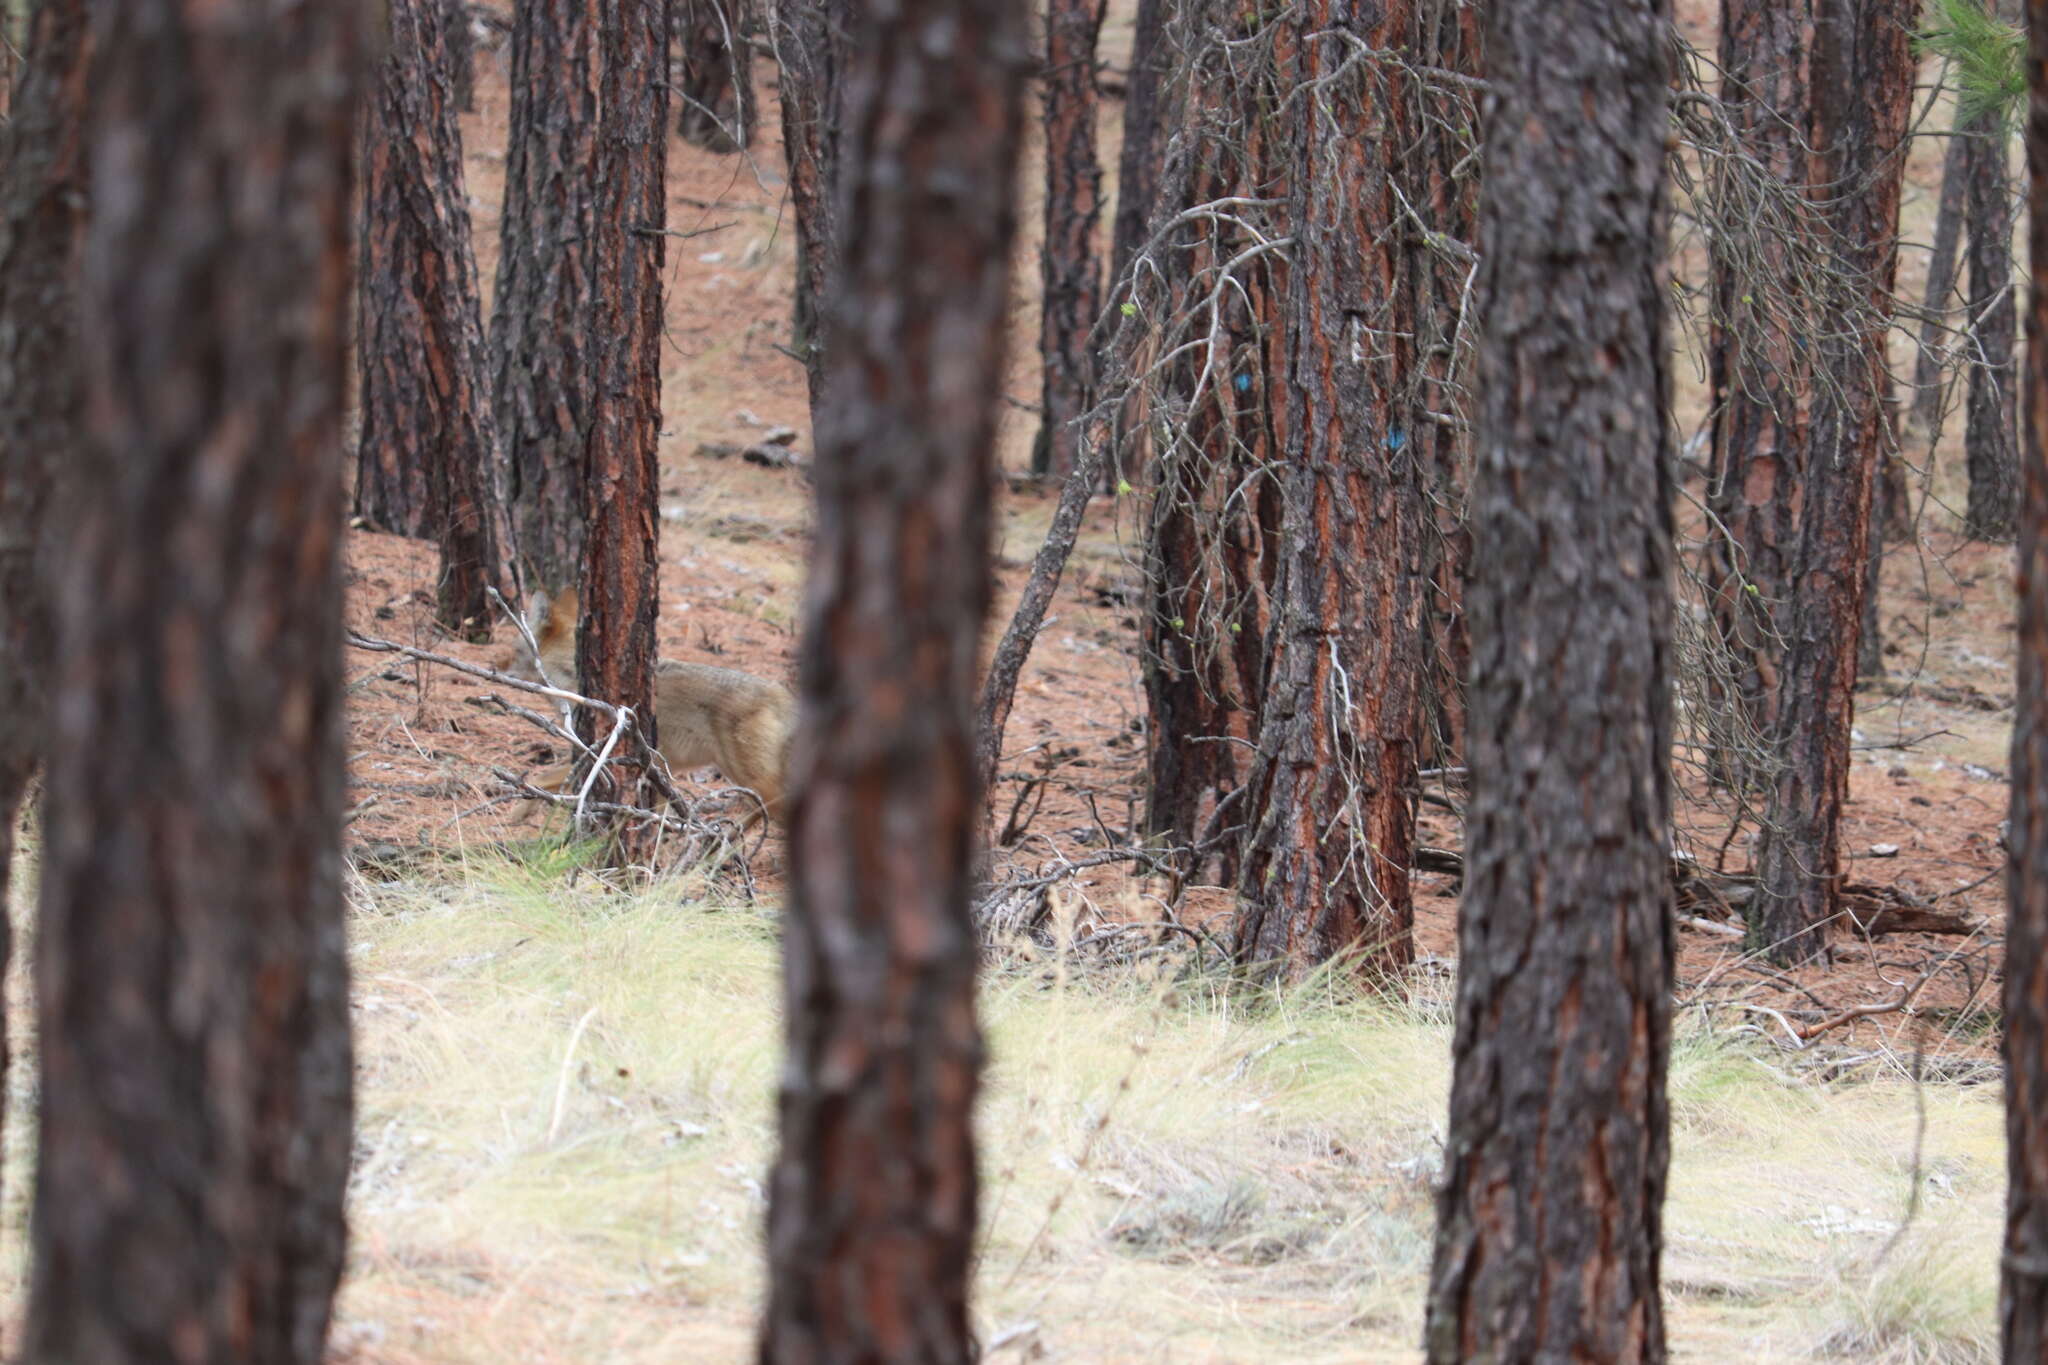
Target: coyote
[(702, 715)]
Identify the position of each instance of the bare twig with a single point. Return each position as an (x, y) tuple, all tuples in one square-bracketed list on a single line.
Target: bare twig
[(562, 1077), (375, 645), (653, 766), (1903, 1000)]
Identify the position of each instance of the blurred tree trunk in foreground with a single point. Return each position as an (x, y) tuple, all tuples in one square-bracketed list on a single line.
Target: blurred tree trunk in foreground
[(873, 1197), (192, 977), (2023, 1268), (42, 202)]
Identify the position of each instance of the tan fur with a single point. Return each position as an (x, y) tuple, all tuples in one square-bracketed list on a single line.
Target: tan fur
[(734, 721)]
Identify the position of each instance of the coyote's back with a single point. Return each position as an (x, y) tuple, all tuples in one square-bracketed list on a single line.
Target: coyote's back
[(731, 720)]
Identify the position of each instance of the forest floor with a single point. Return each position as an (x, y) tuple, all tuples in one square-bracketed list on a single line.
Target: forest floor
[(1927, 792), (566, 1114), (566, 1093)]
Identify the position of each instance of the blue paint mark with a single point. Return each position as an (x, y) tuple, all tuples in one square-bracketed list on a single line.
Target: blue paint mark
[(1396, 438), (1244, 383)]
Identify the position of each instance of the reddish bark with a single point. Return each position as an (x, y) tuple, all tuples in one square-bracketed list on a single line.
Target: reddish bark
[(1332, 826), (871, 1220), (1760, 369), (622, 476), (1549, 1233), (191, 978), (1441, 278), (541, 339), (1862, 79), (1211, 541), (1071, 278), (427, 426)]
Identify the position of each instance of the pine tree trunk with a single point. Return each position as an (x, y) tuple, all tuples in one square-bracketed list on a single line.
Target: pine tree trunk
[(541, 340), (1760, 370), (810, 46), (1213, 531), (1941, 287), (1148, 98), (1071, 276), (419, 336), (1210, 575), (1205, 643), (1332, 825), (395, 491), (42, 198), (1991, 430), (715, 94), (1138, 161), (871, 1220), (192, 1003), (2023, 1268), (1549, 1233), (1862, 65), (622, 487), (1441, 277)]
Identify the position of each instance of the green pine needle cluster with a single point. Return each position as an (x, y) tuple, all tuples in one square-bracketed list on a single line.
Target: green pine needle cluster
[(1986, 55)]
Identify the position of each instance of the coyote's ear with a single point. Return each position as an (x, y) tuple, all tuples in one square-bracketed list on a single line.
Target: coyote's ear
[(565, 608), (536, 611)]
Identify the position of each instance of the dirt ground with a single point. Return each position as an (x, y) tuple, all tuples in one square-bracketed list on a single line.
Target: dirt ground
[(1928, 789)]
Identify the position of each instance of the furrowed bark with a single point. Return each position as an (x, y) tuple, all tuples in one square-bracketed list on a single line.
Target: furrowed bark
[(191, 975), (1330, 802), (1070, 276), (1212, 535), (1761, 372), (1441, 278), (426, 416), (873, 1196), (2023, 1266), (615, 646), (1549, 1232), (541, 341), (1862, 88)]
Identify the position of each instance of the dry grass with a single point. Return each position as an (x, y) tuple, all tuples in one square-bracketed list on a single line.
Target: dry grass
[(566, 1112)]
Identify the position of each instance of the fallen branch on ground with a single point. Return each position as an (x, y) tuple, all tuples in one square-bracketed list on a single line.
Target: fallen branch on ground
[(1873, 910), (1802, 1034), (1020, 905), (652, 764)]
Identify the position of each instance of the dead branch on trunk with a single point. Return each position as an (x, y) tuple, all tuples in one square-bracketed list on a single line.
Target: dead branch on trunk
[(1000, 688)]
